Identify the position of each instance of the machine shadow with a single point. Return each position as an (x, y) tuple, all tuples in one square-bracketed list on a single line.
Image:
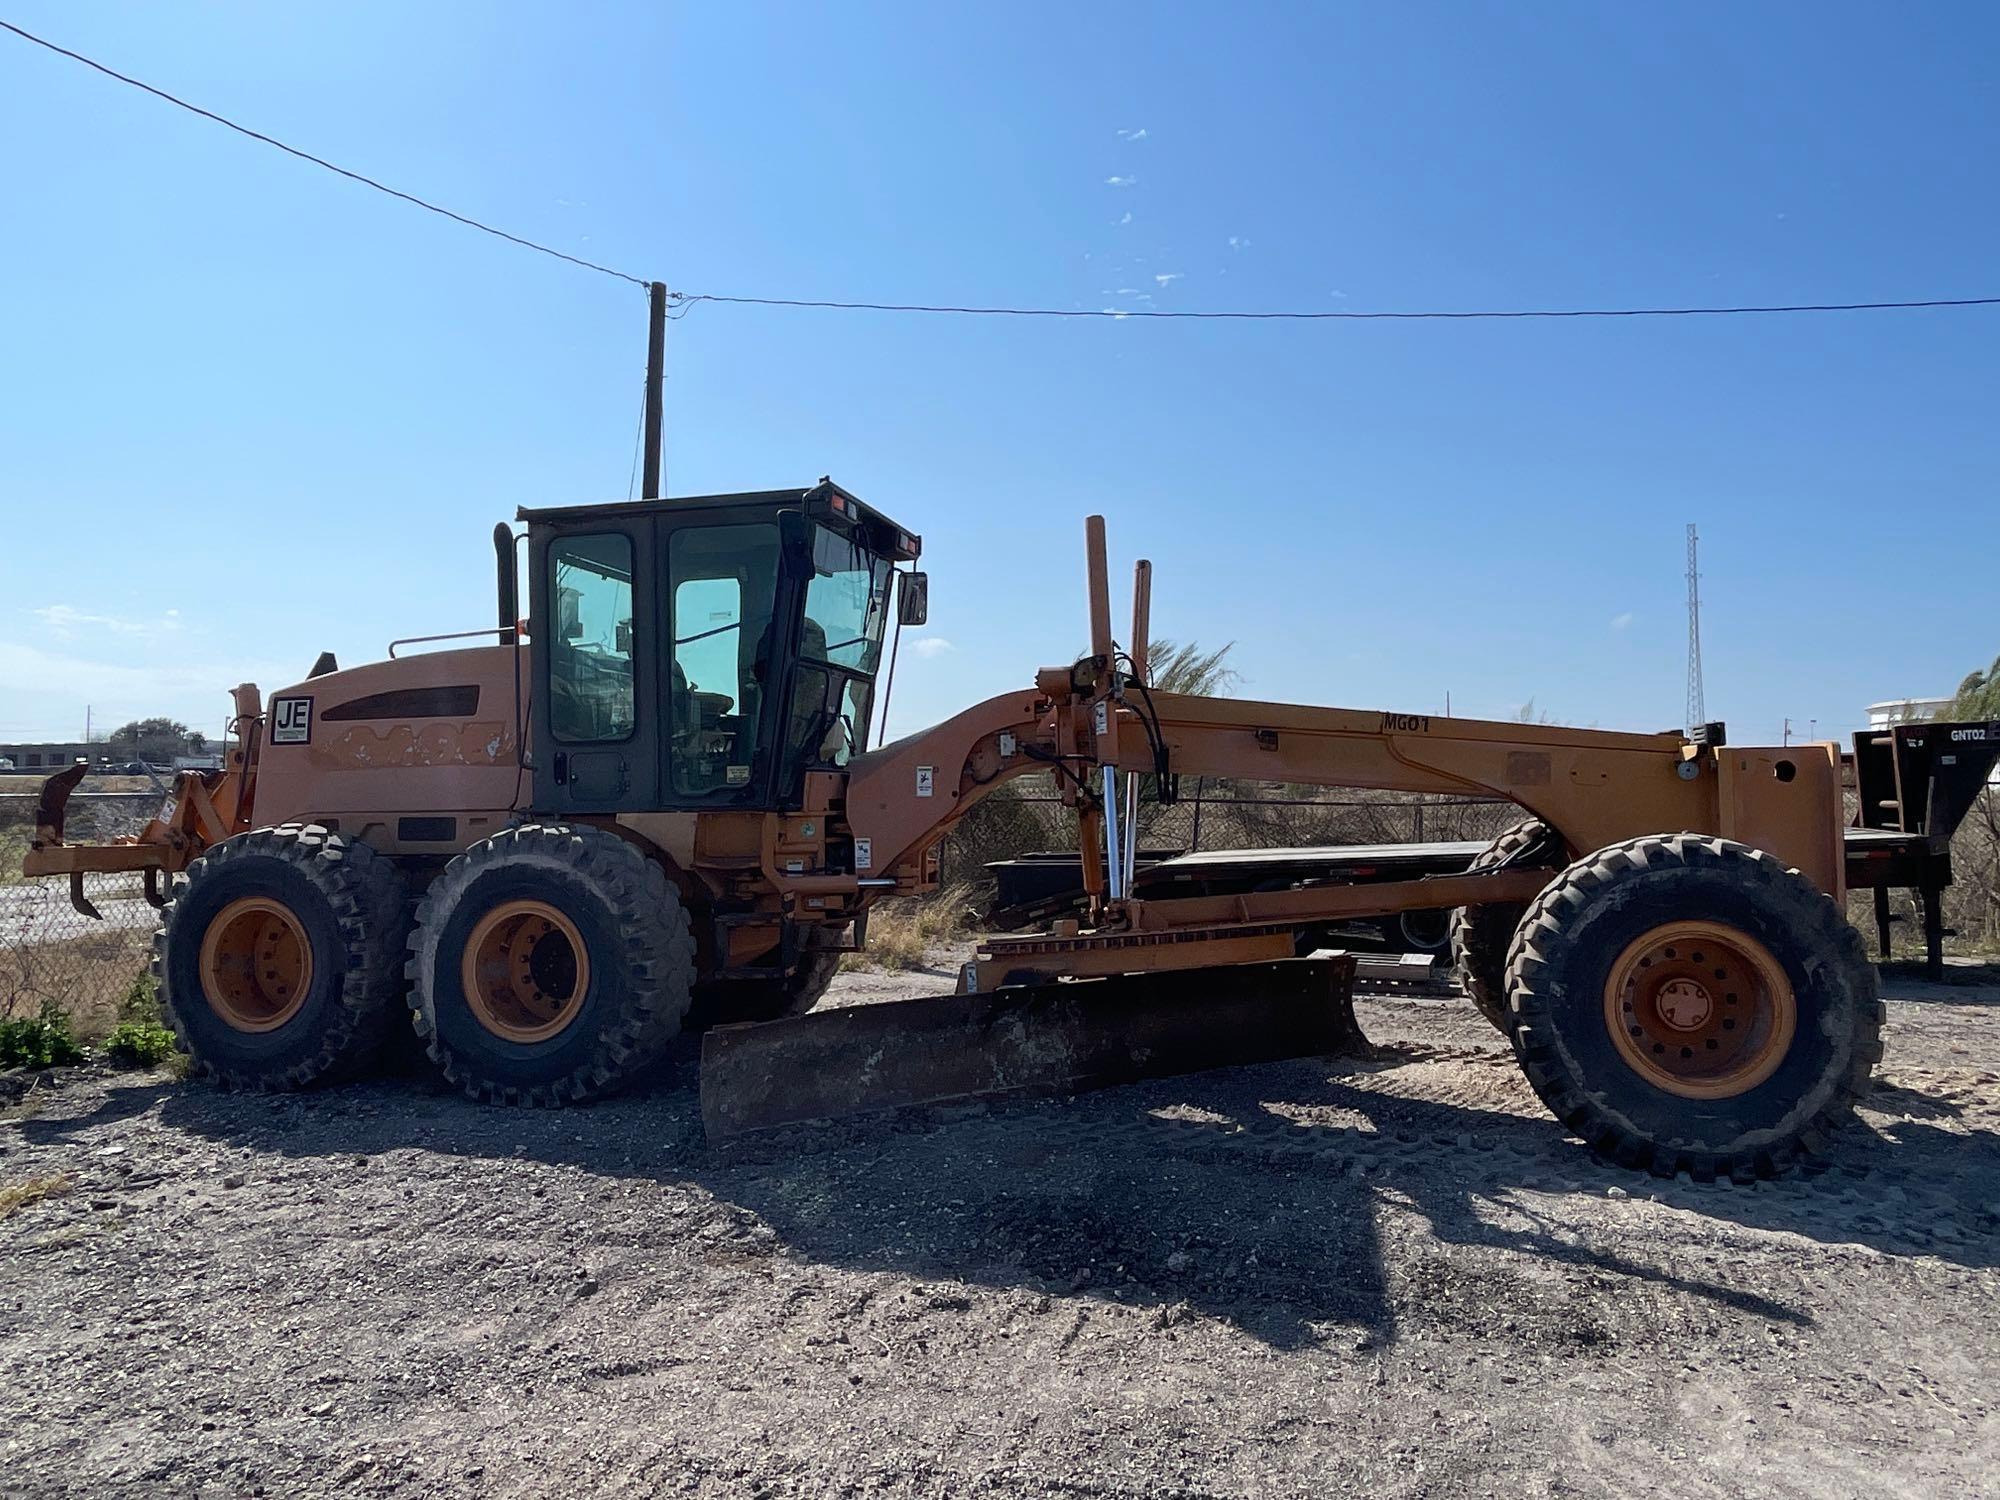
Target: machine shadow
[(1905, 980), (1192, 1195)]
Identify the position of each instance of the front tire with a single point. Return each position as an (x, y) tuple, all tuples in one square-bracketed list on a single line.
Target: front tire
[(279, 958), (549, 965), (1686, 1003)]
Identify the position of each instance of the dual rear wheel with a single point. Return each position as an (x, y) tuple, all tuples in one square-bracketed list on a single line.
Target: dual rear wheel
[(546, 965)]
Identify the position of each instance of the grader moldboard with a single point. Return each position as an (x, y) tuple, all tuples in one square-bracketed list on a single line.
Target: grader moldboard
[(651, 806)]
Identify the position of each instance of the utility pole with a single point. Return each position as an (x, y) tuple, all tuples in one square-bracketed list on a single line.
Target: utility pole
[(1697, 710), (656, 359), (1788, 732)]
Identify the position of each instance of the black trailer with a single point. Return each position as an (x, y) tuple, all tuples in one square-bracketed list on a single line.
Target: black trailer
[(1914, 784)]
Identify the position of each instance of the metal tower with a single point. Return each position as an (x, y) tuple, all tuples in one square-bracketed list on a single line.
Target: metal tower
[(1697, 714)]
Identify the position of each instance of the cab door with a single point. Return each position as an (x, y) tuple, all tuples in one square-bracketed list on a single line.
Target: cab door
[(596, 708), (723, 618)]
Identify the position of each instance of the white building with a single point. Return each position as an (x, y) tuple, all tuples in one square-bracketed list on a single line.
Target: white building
[(1905, 711)]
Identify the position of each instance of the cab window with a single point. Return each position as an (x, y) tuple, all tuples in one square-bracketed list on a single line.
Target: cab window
[(590, 656), (847, 603), (722, 584)]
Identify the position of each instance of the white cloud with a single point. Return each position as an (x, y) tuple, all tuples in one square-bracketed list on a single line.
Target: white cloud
[(1128, 217), (1619, 622), (1337, 292), (1133, 135), (65, 621), (1239, 242), (1167, 276), (1127, 291), (932, 645), (1120, 181)]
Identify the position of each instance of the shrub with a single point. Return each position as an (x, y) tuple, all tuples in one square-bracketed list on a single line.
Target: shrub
[(140, 1044), (41, 1041)]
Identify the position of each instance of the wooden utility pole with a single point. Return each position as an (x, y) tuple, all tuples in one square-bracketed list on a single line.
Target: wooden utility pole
[(656, 358)]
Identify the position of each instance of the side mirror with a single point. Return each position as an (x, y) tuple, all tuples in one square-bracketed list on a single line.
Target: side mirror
[(913, 603)]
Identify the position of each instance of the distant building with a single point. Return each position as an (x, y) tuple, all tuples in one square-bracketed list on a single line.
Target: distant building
[(49, 755), (1905, 711)]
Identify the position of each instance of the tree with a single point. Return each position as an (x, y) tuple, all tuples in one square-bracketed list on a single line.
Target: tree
[(152, 740), (1177, 668), (1978, 696)]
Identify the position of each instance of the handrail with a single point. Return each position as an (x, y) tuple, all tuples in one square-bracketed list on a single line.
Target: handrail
[(450, 635)]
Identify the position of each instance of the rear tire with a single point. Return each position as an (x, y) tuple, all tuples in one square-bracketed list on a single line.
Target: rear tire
[(726, 1002), (1686, 1003), (1481, 935), (279, 958), (549, 965)]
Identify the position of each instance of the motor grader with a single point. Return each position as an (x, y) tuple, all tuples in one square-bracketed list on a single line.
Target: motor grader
[(652, 803)]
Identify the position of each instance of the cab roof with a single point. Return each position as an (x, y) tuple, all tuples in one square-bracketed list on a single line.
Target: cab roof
[(825, 497)]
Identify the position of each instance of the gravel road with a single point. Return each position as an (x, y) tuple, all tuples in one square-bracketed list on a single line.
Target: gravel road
[(1311, 1278)]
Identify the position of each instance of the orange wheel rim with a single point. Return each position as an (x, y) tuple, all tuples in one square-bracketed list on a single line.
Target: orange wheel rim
[(1700, 1009), (525, 971), (256, 964)]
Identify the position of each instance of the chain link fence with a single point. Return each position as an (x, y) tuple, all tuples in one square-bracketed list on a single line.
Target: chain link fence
[(52, 955)]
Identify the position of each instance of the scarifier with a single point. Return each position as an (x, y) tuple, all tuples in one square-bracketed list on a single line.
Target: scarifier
[(652, 805)]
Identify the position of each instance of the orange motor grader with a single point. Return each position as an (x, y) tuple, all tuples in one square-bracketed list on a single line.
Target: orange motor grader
[(652, 803)]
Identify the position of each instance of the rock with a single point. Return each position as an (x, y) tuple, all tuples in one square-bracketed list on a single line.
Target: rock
[(233, 1180), (1178, 1261)]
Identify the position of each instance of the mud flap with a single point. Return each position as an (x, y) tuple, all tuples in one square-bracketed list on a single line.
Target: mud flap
[(1049, 1038)]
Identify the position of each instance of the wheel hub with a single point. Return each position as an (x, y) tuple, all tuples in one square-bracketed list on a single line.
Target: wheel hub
[(525, 971), (1700, 1009), (1684, 1005), (256, 964)]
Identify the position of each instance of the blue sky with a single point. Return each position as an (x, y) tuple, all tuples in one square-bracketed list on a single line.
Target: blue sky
[(252, 411)]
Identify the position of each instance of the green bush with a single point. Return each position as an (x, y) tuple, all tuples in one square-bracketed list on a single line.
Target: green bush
[(42, 1041), (139, 1044), (139, 1040), (140, 1003)]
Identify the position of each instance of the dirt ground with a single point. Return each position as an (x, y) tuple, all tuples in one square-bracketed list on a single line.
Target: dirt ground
[(1319, 1277)]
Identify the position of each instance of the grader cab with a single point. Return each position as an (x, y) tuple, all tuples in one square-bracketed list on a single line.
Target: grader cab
[(655, 804)]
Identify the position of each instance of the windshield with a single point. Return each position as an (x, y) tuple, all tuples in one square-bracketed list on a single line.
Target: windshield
[(847, 604)]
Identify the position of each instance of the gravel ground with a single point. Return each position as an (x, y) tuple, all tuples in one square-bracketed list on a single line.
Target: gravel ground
[(1315, 1277)]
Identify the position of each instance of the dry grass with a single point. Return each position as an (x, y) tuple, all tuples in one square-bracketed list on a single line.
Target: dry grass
[(901, 933), (27, 783), (88, 976), (33, 1190)]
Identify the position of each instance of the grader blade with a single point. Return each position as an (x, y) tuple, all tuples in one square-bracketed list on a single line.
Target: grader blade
[(1048, 1038)]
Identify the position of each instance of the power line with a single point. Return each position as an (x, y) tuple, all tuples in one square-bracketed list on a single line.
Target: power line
[(255, 135), (686, 301), (689, 299)]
